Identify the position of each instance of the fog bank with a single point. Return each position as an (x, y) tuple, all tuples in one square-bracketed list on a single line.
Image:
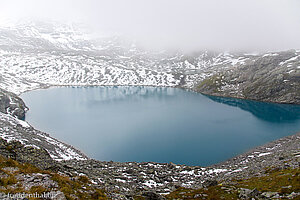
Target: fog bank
[(226, 25)]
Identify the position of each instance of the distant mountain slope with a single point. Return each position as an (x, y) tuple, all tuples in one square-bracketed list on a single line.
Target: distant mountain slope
[(271, 77), (36, 55)]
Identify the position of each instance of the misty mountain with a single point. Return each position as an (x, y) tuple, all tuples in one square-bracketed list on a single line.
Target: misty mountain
[(38, 54)]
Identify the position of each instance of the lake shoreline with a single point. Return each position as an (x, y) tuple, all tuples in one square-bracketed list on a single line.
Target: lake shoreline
[(132, 178), (179, 87), (113, 174), (124, 93)]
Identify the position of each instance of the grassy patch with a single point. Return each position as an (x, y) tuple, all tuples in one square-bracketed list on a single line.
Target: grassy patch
[(38, 189), (78, 188), (138, 197), (213, 83), (213, 192), (282, 181), (10, 180)]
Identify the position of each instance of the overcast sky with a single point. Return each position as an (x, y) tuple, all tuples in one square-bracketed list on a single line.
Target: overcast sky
[(248, 25)]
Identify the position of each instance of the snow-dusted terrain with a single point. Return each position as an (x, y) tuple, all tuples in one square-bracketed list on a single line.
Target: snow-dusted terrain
[(35, 55), (15, 129)]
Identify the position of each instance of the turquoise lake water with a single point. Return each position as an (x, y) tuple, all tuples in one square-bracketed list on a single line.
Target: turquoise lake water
[(157, 124)]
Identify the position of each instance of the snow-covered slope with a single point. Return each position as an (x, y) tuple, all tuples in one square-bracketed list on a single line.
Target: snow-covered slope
[(38, 54), (35, 55)]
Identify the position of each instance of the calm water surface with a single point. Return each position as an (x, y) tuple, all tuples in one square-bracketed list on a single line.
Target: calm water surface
[(157, 124)]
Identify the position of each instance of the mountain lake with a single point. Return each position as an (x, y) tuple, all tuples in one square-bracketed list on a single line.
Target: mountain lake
[(157, 124)]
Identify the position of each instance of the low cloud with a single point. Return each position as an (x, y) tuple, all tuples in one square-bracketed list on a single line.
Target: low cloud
[(229, 25)]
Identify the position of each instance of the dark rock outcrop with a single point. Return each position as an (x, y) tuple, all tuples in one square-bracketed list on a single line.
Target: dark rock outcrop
[(12, 104), (16, 151)]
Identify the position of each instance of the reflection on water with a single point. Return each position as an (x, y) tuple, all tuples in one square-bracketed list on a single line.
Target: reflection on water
[(112, 94), (157, 124), (270, 112)]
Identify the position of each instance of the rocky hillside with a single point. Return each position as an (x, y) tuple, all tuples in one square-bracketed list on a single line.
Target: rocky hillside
[(271, 77), (23, 172), (37, 55)]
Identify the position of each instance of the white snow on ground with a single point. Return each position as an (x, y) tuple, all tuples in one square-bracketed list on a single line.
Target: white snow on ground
[(188, 172), (23, 123), (270, 54), (264, 154), (188, 184), (237, 170), (216, 171), (13, 120), (152, 184), (57, 149), (289, 60), (120, 180)]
